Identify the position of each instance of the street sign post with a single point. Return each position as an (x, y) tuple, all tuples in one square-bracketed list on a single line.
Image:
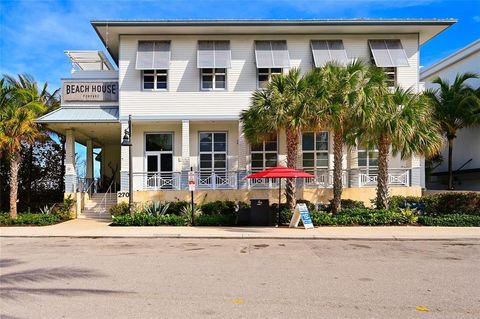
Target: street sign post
[(191, 188)]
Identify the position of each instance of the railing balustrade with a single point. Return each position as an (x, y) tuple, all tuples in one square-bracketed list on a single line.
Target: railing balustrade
[(229, 180), (216, 180)]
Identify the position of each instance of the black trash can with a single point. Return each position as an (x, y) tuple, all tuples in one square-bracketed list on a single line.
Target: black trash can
[(260, 213)]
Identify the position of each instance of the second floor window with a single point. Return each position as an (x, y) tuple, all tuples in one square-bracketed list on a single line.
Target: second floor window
[(155, 79), (264, 155), (265, 76), (213, 79), (315, 151)]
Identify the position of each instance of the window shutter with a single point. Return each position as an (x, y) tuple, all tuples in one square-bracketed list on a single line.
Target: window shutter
[(213, 54), (388, 53), (272, 54), (324, 51), (153, 55)]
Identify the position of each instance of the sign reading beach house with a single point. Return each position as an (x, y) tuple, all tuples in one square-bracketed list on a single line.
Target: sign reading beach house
[(92, 91)]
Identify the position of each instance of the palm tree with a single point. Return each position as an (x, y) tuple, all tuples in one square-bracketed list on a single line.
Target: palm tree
[(283, 105), (21, 103), (338, 90), (456, 106), (401, 121)]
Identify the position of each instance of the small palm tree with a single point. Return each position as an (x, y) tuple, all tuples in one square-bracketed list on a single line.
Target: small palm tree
[(21, 103), (338, 90), (283, 105), (456, 106), (401, 121)]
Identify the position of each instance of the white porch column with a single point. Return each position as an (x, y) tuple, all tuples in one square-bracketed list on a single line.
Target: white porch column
[(185, 154), (352, 166), (70, 172), (242, 157), (124, 161), (89, 159), (417, 178), (185, 145)]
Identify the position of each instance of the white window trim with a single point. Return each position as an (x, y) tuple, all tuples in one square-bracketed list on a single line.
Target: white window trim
[(367, 151), (263, 152), (146, 153), (212, 152), (315, 151), (214, 75), (154, 80), (270, 74)]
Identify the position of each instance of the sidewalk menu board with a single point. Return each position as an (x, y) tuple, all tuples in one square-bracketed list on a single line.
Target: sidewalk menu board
[(301, 213)]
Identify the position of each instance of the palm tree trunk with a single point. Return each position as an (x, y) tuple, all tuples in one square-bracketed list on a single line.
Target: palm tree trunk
[(292, 150), (337, 171), (14, 168), (382, 176), (450, 162)]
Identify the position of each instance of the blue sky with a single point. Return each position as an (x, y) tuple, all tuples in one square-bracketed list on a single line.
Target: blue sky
[(35, 33)]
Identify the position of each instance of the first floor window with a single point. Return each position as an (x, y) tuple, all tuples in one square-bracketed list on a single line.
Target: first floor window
[(368, 159), (264, 154), (315, 147), (155, 79), (265, 76), (213, 152), (213, 79)]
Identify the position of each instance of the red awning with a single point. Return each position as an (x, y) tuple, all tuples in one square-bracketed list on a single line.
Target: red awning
[(281, 172)]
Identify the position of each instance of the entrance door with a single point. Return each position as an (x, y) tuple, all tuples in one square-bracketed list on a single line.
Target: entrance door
[(159, 153)]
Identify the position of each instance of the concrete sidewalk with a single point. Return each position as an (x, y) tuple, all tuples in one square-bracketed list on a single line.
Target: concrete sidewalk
[(93, 228)]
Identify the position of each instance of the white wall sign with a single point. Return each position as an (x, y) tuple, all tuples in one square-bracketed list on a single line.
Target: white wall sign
[(301, 213), (93, 91)]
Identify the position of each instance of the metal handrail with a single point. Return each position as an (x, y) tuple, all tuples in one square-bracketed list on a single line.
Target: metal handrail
[(104, 199), (465, 164)]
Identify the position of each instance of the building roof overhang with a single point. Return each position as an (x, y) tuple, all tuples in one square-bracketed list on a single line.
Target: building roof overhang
[(81, 114), (453, 58), (109, 31)]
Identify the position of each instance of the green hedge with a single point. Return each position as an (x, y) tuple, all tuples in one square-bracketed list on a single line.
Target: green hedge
[(364, 217), (465, 203), (456, 220), (143, 219), (30, 219), (215, 220)]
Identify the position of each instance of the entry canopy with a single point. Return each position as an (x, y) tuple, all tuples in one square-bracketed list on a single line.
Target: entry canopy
[(388, 53), (324, 51), (272, 54), (153, 55), (214, 54)]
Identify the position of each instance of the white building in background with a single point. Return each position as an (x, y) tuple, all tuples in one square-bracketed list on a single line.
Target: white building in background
[(466, 147), (185, 83)]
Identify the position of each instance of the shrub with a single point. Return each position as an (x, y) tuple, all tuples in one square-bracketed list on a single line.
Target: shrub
[(156, 208), (467, 203), (186, 213), (64, 209), (364, 217), (144, 219), (30, 219), (119, 209), (218, 208), (347, 204), (456, 220), (215, 220), (176, 207), (452, 203)]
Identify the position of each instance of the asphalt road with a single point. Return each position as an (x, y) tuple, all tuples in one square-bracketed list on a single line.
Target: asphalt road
[(182, 278)]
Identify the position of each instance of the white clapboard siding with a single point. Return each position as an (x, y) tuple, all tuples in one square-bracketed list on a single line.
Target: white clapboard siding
[(184, 97)]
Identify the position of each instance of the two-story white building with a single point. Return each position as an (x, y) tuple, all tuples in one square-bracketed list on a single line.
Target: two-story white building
[(184, 84)]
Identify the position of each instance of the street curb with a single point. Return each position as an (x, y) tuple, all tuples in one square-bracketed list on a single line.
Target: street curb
[(179, 236)]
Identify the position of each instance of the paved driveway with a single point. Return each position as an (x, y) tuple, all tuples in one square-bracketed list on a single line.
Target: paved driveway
[(232, 278)]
